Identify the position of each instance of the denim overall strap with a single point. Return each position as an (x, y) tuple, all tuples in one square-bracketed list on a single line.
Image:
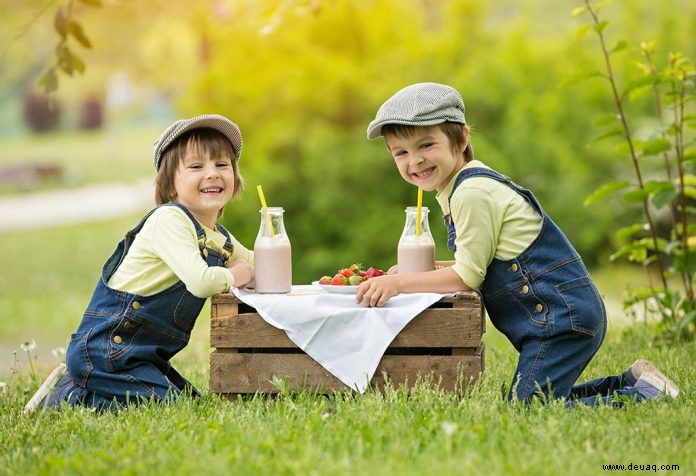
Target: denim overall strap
[(228, 242), (112, 264), (482, 172)]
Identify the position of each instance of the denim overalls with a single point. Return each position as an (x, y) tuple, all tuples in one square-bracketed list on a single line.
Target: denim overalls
[(122, 348), (544, 301)]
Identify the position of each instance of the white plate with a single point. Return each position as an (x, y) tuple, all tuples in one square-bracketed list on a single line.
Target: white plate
[(336, 289)]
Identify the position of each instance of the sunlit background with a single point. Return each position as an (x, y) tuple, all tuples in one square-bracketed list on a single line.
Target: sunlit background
[(303, 78)]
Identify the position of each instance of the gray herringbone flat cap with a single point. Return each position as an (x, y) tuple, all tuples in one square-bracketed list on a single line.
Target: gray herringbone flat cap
[(421, 104), (213, 121)]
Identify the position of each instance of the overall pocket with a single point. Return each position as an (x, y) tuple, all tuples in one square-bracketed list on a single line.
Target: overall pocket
[(585, 307), (77, 357)]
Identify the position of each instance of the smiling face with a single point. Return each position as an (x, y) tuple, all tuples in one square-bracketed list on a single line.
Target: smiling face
[(198, 171), (425, 157), (204, 183)]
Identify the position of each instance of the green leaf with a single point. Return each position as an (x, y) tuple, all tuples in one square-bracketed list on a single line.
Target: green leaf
[(638, 93), (623, 251), (602, 5), (60, 22), (578, 11), (663, 198), (639, 145), (579, 77), (654, 186), (77, 63), (655, 146), (690, 153), (64, 59), (76, 31), (49, 80), (620, 45), (599, 27), (629, 231), (617, 131), (635, 196), (606, 119), (648, 80), (686, 263), (605, 190)]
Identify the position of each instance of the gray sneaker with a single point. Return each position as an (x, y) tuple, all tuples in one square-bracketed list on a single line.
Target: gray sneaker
[(45, 389), (647, 372)]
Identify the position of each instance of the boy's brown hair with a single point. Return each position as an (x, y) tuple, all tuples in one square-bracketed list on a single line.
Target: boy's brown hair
[(204, 140), (455, 132)]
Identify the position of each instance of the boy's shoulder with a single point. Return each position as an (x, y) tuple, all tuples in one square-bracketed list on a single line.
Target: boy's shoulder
[(168, 216)]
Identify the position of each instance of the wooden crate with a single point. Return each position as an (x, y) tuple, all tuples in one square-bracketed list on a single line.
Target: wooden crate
[(442, 343)]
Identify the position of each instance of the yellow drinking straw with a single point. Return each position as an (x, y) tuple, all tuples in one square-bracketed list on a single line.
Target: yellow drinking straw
[(418, 211), (265, 209)]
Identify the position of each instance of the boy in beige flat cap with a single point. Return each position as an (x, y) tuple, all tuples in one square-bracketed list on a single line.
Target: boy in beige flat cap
[(534, 285)]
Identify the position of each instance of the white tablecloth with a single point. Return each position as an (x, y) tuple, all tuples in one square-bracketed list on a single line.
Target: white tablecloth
[(347, 339)]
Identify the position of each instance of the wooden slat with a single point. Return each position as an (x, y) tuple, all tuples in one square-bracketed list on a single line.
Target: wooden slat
[(446, 327), (246, 331), (223, 309), (441, 328), (233, 373)]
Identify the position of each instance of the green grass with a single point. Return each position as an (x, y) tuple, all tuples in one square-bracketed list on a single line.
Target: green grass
[(427, 432), (48, 275)]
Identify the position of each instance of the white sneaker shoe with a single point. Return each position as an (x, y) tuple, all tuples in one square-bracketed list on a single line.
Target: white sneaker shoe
[(646, 371), (45, 389)]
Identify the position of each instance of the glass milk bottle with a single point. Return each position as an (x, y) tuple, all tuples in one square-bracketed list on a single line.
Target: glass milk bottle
[(272, 254), (416, 252)]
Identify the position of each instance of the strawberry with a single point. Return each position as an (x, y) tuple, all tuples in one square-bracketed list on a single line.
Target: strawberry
[(325, 280), (339, 280), (374, 272), (355, 268), (346, 272), (354, 280)]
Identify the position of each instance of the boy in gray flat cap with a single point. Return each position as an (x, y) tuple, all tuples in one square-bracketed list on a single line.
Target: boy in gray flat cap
[(534, 285), (154, 285)]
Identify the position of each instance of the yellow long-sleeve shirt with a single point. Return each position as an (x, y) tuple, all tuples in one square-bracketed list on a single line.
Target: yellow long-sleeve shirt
[(492, 221), (166, 251)]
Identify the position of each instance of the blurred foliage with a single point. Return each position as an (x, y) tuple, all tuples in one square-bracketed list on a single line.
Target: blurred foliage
[(664, 180), (303, 78)]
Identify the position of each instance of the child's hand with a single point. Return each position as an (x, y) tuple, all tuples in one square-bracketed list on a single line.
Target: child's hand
[(376, 291), (393, 270), (243, 273)]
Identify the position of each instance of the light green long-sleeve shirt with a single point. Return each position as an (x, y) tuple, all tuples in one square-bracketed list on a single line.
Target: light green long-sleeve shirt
[(492, 221), (166, 251)]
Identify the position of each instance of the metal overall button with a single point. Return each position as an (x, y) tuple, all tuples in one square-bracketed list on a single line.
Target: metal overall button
[(513, 268), (205, 252), (525, 289), (538, 308), (127, 325), (135, 305), (118, 339)]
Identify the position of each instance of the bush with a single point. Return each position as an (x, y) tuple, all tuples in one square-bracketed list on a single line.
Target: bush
[(41, 112), (91, 113)]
